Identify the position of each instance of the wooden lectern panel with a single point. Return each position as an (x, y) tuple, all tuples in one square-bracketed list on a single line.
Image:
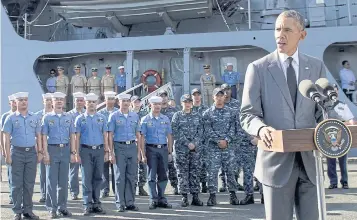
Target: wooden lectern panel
[(298, 140)]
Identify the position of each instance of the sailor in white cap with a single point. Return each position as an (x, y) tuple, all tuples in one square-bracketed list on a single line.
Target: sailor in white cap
[(123, 127), (91, 131), (120, 80), (156, 138), (47, 107), (109, 108), (58, 143), (231, 78), (24, 130), (78, 100), (13, 108)]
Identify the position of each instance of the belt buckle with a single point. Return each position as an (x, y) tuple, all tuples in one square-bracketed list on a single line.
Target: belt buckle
[(61, 145), (27, 149), (94, 147), (128, 142), (159, 146)]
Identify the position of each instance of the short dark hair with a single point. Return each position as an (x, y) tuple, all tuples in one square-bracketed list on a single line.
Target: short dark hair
[(344, 62), (53, 70)]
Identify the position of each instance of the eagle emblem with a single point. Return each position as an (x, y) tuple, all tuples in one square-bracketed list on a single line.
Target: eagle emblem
[(333, 136)]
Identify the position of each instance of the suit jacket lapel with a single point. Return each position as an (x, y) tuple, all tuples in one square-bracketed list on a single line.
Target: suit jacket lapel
[(304, 73), (278, 75)]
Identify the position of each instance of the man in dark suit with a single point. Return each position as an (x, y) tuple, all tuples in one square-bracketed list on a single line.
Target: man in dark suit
[(271, 101)]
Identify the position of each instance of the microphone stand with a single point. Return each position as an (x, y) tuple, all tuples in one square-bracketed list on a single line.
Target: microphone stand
[(320, 173)]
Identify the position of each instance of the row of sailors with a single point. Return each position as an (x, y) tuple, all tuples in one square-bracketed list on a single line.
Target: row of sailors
[(91, 139)]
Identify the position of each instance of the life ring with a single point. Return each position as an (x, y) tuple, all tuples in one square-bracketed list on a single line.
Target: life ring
[(152, 79)]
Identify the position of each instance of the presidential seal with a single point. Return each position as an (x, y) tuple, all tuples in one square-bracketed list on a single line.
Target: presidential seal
[(333, 138)]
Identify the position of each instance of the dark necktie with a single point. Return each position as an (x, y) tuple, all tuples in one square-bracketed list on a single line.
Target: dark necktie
[(291, 79)]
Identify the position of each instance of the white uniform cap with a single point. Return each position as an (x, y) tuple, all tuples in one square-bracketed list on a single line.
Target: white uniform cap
[(109, 94), (229, 64), (155, 99), (121, 67), (11, 98), (123, 97), (91, 97), (78, 95), (58, 95), (21, 95), (47, 96)]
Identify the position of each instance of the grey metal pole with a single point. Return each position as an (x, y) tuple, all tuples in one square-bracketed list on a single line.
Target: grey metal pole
[(249, 16), (349, 12), (320, 185), (25, 31)]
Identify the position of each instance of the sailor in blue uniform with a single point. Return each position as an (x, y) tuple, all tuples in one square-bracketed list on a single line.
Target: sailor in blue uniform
[(231, 78), (58, 144), (156, 139), (22, 131), (109, 108), (74, 167), (13, 109), (124, 126), (91, 135), (120, 80), (47, 103)]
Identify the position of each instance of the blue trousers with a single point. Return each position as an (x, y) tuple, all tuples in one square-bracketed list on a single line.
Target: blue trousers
[(157, 161), (43, 180), (23, 175), (106, 178), (331, 170), (57, 178), (92, 171), (73, 178)]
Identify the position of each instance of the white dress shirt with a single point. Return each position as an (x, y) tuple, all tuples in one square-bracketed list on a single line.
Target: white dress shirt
[(285, 63), (346, 76)]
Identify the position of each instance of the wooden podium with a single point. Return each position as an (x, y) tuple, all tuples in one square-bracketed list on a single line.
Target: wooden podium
[(298, 140)]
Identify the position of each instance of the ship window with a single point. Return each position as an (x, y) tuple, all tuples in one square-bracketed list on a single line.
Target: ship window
[(223, 63), (176, 70), (136, 73)]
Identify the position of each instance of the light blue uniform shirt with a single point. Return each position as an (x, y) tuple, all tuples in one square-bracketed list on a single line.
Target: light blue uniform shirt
[(58, 129), (106, 113), (154, 129), (91, 128), (74, 113), (22, 129), (3, 117), (124, 129), (231, 78), (51, 84), (120, 80)]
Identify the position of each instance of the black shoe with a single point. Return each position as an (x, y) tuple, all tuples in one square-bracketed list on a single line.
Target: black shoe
[(212, 200), (64, 213), (223, 189), (345, 186), (142, 191), (249, 199), (104, 195), (333, 186), (53, 215), (17, 217), (262, 199), (184, 201), (240, 187), (196, 201), (165, 205), (30, 216), (11, 202), (99, 210), (204, 187), (233, 200), (87, 211), (121, 208), (74, 197), (132, 208), (176, 192), (153, 205), (42, 200)]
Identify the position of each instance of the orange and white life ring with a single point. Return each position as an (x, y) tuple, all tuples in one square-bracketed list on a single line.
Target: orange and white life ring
[(152, 79)]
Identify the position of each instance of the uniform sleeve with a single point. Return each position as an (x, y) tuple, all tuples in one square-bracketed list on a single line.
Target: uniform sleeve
[(207, 123), (7, 127), (102, 80), (347, 114), (111, 122), (66, 81), (44, 125), (77, 124), (71, 80), (143, 126), (176, 132), (169, 129), (232, 128), (116, 80), (105, 124), (137, 123)]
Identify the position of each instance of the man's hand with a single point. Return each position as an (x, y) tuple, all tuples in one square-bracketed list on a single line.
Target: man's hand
[(78, 159), (169, 159), (73, 158), (191, 146), (112, 158), (106, 156), (39, 157), (8, 160), (222, 144), (254, 141), (46, 159), (143, 159), (265, 136)]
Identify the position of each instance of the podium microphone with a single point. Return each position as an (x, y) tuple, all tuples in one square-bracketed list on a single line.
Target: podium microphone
[(326, 89), (309, 90)]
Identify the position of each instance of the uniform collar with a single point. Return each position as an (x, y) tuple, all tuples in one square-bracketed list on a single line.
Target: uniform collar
[(283, 57), (17, 113), (152, 116)]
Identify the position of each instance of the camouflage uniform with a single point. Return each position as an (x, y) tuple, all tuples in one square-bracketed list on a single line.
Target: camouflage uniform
[(187, 128), (203, 173), (219, 124), (169, 112)]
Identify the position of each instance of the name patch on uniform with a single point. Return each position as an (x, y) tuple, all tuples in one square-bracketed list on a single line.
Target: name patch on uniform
[(100, 120), (164, 123), (67, 121), (83, 121)]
